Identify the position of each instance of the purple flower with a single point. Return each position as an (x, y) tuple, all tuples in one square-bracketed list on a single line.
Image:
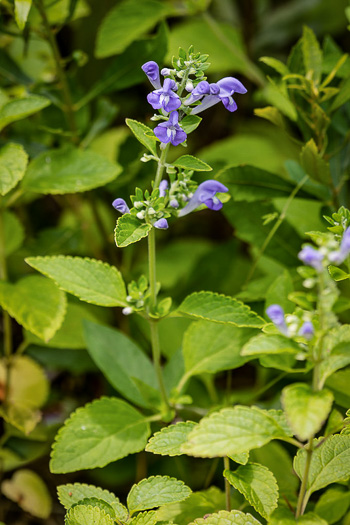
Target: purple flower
[(276, 314), (227, 87), (163, 186), (171, 131), (307, 330), (339, 256), (311, 257), (152, 71), (165, 98), (161, 224), (203, 88), (121, 206), (205, 194)]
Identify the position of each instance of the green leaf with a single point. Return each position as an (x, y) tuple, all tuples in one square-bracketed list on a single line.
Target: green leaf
[(73, 493), (277, 96), (278, 292), (29, 491), (120, 360), (103, 505), (275, 64), (20, 108), (333, 504), (155, 491), (168, 441), (129, 230), (305, 409), (91, 280), (223, 517), (343, 95), (232, 431), (338, 358), (283, 516), (129, 20), (190, 123), (337, 273), (22, 8), (140, 130), (312, 54), (188, 162), (270, 344), (13, 164), (101, 432), (273, 115), (241, 458), (88, 515), (220, 309), (36, 303), (257, 484), (68, 170), (145, 518), (314, 164), (330, 462), (13, 232)]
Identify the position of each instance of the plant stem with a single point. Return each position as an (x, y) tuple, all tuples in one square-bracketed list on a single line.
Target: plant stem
[(303, 498), (161, 166), (227, 485), (69, 107)]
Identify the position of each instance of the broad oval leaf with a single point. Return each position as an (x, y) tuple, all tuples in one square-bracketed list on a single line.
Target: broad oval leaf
[(68, 170), (88, 515), (129, 230), (140, 130), (155, 491), (20, 108), (188, 162), (235, 517), (257, 484), (270, 344), (13, 164), (101, 432), (13, 232), (169, 440), (220, 309), (91, 280), (333, 504), (29, 491)]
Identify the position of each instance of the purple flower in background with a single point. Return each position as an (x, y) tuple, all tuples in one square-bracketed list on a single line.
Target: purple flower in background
[(311, 257), (340, 255), (307, 330), (163, 186), (152, 71), (165, 98), (161, 224), (205, 194), (276, 314), (170, 131), (227, 87), (121, 206)]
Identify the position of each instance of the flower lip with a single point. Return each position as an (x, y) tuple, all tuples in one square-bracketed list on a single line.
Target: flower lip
[(164, 97), (205, 194), (151, 69), (171, 130), (120, 205)]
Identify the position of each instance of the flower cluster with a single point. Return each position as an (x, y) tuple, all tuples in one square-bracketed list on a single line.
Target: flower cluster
[(329, 252), (290, 325)]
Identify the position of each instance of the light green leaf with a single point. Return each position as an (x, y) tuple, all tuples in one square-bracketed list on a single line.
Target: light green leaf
[(283, 516), (272, 114), (129, 230), (101, 432), (337, 273), (102, 505), (13, 232), (343, 95), (278, 292), (270, 344), (339, 382), (20, 108), (168, 441), (120, 360), (29, 491), (144, 518), (312, 54), (73, 493), (275, 64), (338, 358), (190, 123), (129, 20), (314, 164), (13, 164), (155, 491), (21, 416), (88, 515), (188, 162), (36, 303), (140, 130), (305, 409), (277, 96), (22, 8), (333, 504), (330, 462), (232, 431), (220, 309), (235, 517), (91, 280), (257, 484), (68, 170)]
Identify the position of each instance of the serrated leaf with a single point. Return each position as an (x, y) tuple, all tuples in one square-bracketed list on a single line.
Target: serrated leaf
[(144, 518), (241, 458), (232, 431), (188, 162), (91, 280), (13, 232), (314, 164), (87, 515), (235, 517), (129, 230), (13, 164), (330, 462), (155, 491), (257, 484), (29, 491), (20, 108), (22, 8), (270, 344), (168, 441), (68, 170), (96, 502), (306, 410), (220, 309), (312, 54), (101, 432), (337, 273), (21, 416), (140, 130), (333, 504), (36, 303)]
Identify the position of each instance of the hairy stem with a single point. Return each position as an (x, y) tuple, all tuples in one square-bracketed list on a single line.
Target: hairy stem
[(303, 498), (227, 485), (161, 166)]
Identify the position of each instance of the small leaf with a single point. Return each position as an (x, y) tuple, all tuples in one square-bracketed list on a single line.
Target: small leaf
[(257, 484), (270, 344), (312, 54), (220, 309), (13, 164), (337, 273), (36, 303), (140, 130), (314, 164), (223, 517), (101, 432), (88, 515), (188, 162), (155, 491), (129, 230), (275, 64), (20, 108), (91, 280), (168, 441), (338, 358), (190, 123), (29, 491), (22, 8), (241, 458)]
